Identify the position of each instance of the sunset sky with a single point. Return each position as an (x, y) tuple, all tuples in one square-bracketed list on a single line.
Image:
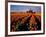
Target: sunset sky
[(23, 8)]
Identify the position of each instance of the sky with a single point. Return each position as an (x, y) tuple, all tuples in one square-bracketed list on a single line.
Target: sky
[(23, 8)]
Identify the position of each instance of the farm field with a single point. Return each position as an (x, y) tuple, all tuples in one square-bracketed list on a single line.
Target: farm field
[(23, 21)]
